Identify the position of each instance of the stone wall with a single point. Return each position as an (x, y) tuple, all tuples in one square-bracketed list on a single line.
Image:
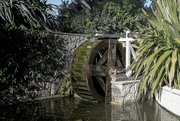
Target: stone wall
[(123, 92), (48, 86), (72, 41), (52, 86)]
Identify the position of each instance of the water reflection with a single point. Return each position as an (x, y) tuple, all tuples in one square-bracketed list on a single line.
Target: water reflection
[(164, 115), (74, 109)]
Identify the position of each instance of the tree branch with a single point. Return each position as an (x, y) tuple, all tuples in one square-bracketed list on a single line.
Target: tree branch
[(104, 11), (85, 6)]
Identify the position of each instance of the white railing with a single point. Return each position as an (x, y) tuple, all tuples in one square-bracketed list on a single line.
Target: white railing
[(129, 51)]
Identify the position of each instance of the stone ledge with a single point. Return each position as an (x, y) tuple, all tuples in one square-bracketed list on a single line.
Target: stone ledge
[(125, 82), (124, 92)]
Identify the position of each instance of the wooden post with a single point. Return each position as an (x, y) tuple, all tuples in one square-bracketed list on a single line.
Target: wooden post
[(110, 63)]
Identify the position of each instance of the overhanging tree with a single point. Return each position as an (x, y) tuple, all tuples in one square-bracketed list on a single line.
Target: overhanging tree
[(100, 16), (27, 56)]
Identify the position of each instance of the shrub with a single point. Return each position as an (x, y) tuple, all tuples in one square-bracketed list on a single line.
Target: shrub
[(29, 57)]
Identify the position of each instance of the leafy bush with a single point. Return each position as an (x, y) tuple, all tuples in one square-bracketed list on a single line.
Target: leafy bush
[(28, 57), (126, 14), (158, 57)]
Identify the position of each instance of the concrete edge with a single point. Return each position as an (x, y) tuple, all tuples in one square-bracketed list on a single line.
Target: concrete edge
[(126, 82), (167, 98), (34, 100), (172, 90)]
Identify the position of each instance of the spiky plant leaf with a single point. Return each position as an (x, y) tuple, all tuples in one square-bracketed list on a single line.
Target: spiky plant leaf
[(158, 57), (26, 14)]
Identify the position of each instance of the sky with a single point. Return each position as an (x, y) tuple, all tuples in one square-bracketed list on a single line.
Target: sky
[(58, 2), (148, 3)]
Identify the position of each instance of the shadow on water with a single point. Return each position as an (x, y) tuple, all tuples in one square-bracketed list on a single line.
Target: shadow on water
[(74, 109)]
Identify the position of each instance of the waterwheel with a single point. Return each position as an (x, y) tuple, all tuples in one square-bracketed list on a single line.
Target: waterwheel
[(92, 64)]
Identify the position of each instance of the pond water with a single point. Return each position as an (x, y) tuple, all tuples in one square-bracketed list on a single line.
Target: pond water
[(75, 109)]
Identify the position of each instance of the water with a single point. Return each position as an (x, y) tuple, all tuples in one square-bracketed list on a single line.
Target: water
[(75, 109)]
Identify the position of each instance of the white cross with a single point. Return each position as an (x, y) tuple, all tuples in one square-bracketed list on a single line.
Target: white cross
[(129, 49)]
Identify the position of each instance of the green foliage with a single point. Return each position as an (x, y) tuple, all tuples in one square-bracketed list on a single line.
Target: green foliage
[(158, 57), (126, 14), (121, 15), (28, 14), (66, 88), (29, 57), (22, 13)]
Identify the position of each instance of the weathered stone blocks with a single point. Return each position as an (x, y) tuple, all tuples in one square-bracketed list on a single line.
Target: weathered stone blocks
[(123, 92), (50, 86)]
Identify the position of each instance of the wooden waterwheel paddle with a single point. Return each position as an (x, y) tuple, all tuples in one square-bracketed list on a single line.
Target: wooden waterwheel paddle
[(92, 65)]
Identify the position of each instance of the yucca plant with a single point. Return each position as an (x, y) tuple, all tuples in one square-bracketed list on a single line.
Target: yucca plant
[(158, 56)]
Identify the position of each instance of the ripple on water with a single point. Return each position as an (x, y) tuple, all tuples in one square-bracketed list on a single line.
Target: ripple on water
[(75, 109)]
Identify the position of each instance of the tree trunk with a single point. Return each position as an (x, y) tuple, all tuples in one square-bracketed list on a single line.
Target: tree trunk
[(85, 6), (105, 8)]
